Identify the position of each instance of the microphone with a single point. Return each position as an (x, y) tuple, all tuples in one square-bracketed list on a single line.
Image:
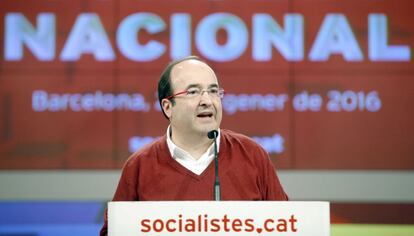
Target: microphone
[(213, 135)]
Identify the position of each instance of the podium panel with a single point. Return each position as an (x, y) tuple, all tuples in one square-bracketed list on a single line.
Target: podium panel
[(209, 218)]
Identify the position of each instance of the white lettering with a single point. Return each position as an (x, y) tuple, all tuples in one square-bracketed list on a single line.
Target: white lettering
[(87, 36), (335, 36), (180, 35), (378, 40), (272, 144), (43, 101), (305, 102), (253, 102), (127, 37), (135, 143), (19, 31), (237, 37), (266, 32)]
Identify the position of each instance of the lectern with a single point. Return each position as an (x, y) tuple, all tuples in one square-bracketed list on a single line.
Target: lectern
[(218, 218)]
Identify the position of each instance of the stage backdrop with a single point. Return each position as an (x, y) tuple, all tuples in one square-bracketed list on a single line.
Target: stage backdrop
[(319, 84)]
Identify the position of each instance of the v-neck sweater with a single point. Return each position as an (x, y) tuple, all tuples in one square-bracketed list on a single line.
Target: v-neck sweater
[(245, 171)]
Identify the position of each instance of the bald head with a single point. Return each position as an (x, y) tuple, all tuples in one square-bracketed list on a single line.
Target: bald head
[(165, 88)]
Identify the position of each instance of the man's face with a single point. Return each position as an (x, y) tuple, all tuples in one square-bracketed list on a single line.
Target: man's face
[(199, 114)]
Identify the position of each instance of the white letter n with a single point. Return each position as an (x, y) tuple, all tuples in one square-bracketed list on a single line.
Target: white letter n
[(19, 31)]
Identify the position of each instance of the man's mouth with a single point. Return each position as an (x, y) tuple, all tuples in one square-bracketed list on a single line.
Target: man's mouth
[(205, 115)]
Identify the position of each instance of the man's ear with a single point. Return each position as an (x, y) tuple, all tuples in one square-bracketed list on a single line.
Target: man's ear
[(167, 106)]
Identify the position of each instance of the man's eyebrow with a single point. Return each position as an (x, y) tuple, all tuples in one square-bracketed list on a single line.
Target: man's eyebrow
[(200, 87), (193, 86), (213, 86)]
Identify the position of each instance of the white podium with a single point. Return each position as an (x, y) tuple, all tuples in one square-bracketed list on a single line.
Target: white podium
[(224, 218)]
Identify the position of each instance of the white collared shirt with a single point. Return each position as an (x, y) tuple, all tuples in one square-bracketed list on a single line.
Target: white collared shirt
[(188, 161)]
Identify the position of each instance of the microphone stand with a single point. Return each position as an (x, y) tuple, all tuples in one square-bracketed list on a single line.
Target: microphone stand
[(213, 135)]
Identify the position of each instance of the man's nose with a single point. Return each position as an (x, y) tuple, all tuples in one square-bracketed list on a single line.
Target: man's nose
[(205, 98)]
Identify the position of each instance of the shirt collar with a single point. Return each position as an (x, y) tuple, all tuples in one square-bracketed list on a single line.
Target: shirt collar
[(179, 153)]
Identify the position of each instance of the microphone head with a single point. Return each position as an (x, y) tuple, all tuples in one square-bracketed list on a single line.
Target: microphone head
[(212, 134)]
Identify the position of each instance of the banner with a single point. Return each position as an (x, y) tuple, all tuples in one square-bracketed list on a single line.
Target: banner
[(319, 84)]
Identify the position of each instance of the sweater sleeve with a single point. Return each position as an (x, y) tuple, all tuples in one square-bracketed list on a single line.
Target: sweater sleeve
[(272, 189), (126, 190)]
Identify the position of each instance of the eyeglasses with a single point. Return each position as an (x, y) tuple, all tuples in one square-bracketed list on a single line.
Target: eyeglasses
[(196, 92)]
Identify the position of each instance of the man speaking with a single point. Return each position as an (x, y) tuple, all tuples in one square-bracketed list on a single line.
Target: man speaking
[(195, 159)]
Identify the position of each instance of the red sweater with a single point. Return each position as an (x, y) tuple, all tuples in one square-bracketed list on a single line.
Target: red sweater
[(245, 171)]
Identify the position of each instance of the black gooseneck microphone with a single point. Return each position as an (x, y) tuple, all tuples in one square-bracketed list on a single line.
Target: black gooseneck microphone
[(213, 135)]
